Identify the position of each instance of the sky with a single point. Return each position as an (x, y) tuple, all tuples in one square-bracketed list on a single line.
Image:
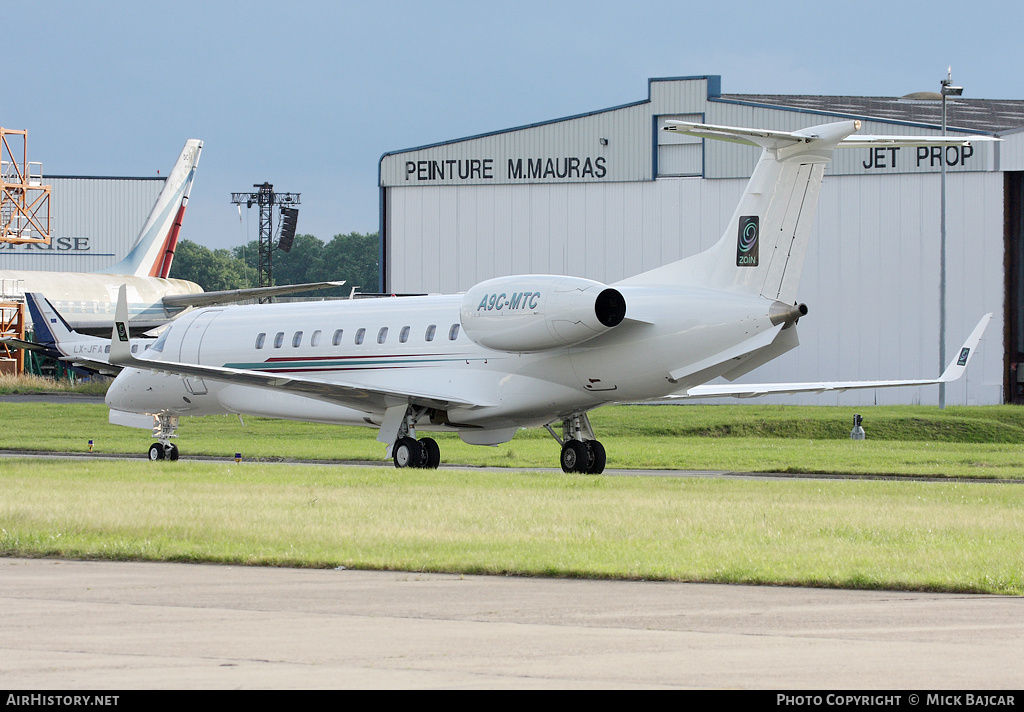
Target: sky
[(309, 95)]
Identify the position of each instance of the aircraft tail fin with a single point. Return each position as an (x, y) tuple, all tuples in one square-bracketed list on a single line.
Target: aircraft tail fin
[(154, 249), (49, 326), (763, 248)]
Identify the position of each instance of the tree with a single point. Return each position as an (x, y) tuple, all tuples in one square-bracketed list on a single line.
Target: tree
[(212, 270), (303, 263), (355, 258)]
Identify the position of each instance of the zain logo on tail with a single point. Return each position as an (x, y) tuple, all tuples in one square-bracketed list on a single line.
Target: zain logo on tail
[(746, 241)]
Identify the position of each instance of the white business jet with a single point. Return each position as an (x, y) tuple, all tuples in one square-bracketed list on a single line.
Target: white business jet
[(518, 351)]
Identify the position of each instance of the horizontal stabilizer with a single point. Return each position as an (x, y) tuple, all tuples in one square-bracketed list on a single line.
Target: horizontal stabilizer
[(15, 343), (768, 138)]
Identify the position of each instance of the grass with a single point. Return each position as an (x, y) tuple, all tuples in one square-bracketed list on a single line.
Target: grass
[(910, 535), (974, 442), (29, 384), (892, 535)]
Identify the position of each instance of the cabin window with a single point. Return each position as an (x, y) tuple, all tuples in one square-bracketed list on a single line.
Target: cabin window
[(453, 333), (297, 340), (382, 335), (135, 348), (314, 340), (429, 336), (337, 337), (278, 339), (404, 335), (260, 340), (360, 335)]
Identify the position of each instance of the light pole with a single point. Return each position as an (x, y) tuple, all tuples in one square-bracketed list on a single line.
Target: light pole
[(947, 90)]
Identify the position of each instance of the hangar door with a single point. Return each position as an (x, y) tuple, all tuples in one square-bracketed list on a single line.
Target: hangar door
[(1013, 386)]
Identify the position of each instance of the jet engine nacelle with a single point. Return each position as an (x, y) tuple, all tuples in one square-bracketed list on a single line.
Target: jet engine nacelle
[(525, 313)]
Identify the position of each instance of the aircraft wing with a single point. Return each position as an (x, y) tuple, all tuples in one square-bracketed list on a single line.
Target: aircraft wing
[(354, 395), (206, 299), (954, 371)]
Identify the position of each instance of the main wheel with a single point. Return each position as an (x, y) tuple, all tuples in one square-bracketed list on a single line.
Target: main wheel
[(172, 453), (574, 456), (596, 461), (407, 453), (156, 452), (431, 453)]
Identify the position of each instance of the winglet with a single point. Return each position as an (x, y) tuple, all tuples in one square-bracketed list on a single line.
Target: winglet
[(120, 346), (958, 365)]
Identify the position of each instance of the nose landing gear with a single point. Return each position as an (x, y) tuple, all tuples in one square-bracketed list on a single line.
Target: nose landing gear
[(163, 451), (165, 427)]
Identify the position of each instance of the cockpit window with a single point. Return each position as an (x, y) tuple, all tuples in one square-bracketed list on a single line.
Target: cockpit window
[(158, 345)]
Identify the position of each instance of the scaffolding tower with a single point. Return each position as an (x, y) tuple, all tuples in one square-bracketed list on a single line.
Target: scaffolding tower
[(24, 200)]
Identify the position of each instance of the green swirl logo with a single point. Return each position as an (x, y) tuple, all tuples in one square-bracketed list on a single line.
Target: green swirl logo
[(746, 241)]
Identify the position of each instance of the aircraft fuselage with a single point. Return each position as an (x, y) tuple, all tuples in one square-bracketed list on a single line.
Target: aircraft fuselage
[(418, 344)]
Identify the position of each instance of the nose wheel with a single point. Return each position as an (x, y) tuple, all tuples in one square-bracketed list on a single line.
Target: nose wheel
[(163, 451)]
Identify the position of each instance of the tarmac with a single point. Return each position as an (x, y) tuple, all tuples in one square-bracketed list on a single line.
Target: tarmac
[(98, 625)]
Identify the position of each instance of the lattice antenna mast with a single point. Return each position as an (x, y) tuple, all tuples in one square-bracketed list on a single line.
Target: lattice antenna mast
[(266, 199), (24, 200)]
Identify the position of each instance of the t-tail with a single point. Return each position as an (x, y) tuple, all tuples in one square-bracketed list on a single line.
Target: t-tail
[(154, 249), (763, 248)]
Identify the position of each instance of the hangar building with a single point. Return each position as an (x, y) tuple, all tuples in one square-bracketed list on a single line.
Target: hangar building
[(96, 220), (606, 194)]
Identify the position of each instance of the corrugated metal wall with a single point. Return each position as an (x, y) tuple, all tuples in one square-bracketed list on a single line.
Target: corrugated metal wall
[(95, 223), (870, 279)]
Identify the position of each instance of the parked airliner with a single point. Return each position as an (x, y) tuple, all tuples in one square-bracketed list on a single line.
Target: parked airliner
[(87, 299), (516, 351)]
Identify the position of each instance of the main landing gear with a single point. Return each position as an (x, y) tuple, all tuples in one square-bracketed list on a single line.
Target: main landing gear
[(164, 428), (423, 453), (410, 452), (581, 451)]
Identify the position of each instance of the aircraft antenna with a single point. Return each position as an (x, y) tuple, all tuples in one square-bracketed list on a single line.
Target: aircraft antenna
[(24, 200), (266, 199)]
